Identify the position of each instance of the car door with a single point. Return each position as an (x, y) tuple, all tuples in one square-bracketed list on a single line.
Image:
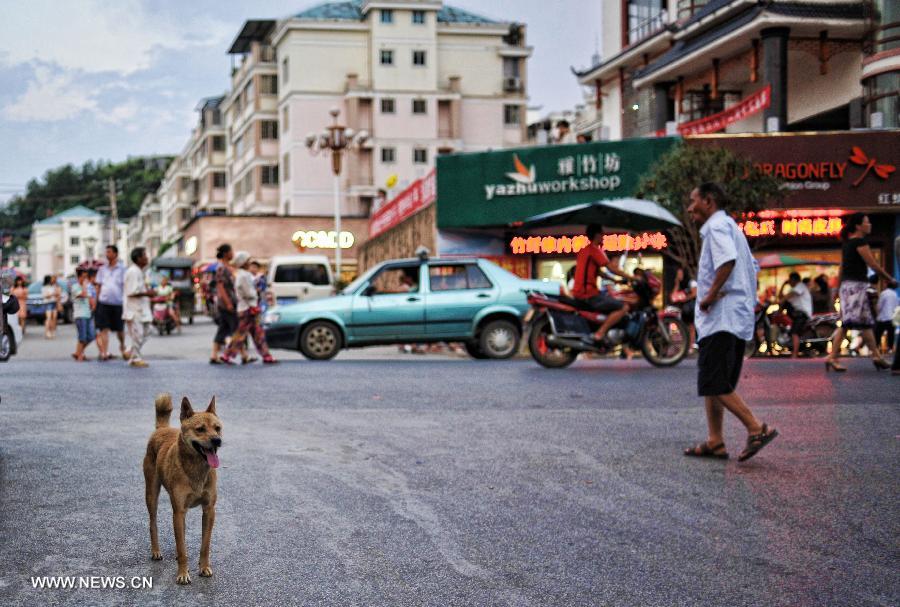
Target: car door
[(456, 293), (390, 307)]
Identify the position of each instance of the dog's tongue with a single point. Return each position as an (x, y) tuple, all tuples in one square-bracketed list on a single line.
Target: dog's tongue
[(212, 459)]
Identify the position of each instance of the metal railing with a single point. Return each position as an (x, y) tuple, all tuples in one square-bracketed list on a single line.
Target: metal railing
[(648, 27)]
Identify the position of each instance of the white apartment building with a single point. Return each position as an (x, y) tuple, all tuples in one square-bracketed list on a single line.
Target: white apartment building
[(420, 77), (251, 113), (145, 228), (739, 66), (61, 242), (206, 152), (175, 194)]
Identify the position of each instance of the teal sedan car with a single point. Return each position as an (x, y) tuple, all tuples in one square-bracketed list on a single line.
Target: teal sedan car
[(412, 301)]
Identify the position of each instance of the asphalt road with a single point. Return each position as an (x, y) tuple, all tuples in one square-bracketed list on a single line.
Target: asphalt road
[(386, 479)]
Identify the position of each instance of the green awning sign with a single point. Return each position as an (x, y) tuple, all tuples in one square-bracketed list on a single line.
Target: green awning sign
[(498, 188)]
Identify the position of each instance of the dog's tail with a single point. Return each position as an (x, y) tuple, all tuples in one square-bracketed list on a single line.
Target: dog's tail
[(163, 410)]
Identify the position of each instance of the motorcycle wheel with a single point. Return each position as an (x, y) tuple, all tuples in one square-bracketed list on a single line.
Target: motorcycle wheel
[(552, 358), (662, 351)]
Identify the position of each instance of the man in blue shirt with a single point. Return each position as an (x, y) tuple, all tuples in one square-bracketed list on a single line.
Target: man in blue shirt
[(726, 298)]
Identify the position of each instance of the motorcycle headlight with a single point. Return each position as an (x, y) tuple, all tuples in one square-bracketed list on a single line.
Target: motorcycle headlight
[(271, 318)]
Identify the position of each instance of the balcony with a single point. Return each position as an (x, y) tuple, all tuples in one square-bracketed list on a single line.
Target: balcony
[(649, 26)]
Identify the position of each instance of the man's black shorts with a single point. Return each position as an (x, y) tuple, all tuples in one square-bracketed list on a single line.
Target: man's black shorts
[(108, 316), (228, 324), (604, 303), (719, 364), (798, 322)]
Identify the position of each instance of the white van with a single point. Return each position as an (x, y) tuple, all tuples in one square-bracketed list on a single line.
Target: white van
[(294, 278)]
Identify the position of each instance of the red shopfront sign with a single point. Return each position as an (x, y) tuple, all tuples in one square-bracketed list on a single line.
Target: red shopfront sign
[(790, 225), (563, 245), (749, 106), (410, 201)]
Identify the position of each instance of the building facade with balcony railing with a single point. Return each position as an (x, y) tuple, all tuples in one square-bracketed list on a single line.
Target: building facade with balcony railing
[(206, 154), (734, 66), (421, 77), (145, 227)]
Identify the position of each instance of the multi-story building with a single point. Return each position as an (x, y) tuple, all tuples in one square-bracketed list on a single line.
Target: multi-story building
[(145, 228), (251, 113), (175, 194), (61, 242), (420, 77), (206, 157), (694, 66)]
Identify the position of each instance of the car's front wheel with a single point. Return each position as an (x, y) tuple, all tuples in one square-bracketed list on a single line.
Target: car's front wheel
[(499, 339), (6, 345), (320, 340)]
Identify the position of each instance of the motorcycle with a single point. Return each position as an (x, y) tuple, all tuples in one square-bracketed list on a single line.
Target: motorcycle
[(162, 318), (773, 332), (562, 328)]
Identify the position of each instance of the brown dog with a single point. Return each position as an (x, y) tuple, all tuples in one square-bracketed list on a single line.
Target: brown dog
[(184, 462)]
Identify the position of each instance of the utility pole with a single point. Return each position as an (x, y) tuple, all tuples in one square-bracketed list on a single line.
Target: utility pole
[(113, 212)]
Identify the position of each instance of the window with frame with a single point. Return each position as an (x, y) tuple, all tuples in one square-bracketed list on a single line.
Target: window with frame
[(285, 118), (511, 115), (268, 129), (387, 57), (387, 105), (268, 174), (74, 259), (418, 58), (419, 106), (387, 15), (218, 179), (388, 155), (420, 156), (74, 241), (268, 84), (418, 17), (395, 280), (73, 224), (457, 277), (285, 70), (286, 167), (218, 143)]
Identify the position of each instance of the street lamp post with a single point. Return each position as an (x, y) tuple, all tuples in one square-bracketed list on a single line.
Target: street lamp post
[(336, 139)]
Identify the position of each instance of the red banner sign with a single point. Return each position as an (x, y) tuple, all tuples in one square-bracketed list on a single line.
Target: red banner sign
[(410, 201), (753, 104)]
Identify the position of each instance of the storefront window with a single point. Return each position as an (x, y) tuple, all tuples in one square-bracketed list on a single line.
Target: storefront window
[(883, 99), (887, 36)]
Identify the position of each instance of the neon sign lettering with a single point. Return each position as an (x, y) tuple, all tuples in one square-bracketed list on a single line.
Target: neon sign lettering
[(321, 239), (561, 245)]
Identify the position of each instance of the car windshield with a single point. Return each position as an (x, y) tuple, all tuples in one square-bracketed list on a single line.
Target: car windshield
[(354, 286), (35, 288)]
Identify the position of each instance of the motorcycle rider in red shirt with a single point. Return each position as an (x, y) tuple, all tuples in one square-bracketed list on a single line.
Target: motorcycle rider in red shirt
[(587, 266)]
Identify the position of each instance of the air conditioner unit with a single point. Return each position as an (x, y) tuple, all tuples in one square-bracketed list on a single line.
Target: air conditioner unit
[(512, 84)]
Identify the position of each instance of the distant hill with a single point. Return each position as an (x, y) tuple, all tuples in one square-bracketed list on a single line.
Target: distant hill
[(68, 186)]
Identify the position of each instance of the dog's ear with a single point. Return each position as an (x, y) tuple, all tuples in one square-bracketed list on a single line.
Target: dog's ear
[(186, 409), (212, 406)]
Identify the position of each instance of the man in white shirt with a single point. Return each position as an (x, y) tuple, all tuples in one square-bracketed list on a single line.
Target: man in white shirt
[(884, 314), (136, 311), (798, 302), (108, 315), (726, 298)]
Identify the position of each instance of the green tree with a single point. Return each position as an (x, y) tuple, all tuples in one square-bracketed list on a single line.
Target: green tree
[(68, 186), (686, 166)]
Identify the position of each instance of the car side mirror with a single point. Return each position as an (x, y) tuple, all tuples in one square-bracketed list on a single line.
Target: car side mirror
[(369, 291)]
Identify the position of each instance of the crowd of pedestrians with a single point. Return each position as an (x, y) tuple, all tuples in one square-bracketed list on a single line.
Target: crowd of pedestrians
[(239, 293)]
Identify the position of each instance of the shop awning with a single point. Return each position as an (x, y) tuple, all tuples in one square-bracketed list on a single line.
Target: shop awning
[(778, 260), (625, 213)]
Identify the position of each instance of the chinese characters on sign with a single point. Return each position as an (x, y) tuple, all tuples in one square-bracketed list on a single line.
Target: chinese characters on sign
[(588, 164), (559, 245), (792, 226), (410, 201)]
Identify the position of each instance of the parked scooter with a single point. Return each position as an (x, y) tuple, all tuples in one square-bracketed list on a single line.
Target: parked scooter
[(562, 327), (772, 336), (162, 316)]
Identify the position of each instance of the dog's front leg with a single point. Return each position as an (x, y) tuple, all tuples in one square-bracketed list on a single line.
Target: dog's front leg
[(209, 517), (178, 514)]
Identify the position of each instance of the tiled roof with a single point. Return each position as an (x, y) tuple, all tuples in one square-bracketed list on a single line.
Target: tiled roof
[(72, 213), (351, 10)]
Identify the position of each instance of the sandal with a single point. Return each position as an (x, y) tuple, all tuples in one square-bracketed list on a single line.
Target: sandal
[(755, 442), (705, 450), (215, 361)]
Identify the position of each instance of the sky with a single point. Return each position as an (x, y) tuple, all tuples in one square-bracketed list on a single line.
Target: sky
[(107, 79)]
